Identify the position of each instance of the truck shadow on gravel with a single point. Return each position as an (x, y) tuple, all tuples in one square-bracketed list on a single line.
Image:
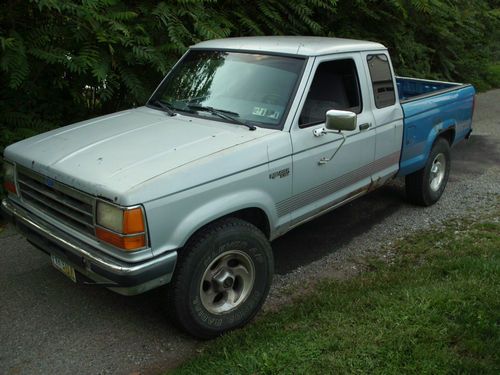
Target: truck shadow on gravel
[(324, 235)]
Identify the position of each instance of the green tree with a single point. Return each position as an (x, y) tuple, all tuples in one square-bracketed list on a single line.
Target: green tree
[(66, 60)]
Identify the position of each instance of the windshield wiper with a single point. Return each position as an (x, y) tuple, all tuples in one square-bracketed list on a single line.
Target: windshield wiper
[(222, 113), (167, 107)]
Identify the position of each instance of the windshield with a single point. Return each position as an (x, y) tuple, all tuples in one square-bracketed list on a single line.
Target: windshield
[(254, 88)]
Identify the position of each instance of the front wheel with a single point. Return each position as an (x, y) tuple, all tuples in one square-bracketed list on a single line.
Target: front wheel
[(222, 278), (425, 186)]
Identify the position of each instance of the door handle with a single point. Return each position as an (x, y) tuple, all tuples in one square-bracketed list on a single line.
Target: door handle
[(364, 126)]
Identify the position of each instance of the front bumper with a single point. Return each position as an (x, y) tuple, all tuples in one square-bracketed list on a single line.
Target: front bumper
[(117, 275)]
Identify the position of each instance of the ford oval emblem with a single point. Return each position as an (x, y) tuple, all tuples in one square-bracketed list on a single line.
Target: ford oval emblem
[(49, 182)]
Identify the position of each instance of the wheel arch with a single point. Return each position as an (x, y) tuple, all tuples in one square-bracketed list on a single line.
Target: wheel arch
[(448, 134), (253, 215), (445, 130)]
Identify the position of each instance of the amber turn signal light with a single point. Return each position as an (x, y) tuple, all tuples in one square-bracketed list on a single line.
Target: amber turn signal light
[(133, 221), (129, 243)]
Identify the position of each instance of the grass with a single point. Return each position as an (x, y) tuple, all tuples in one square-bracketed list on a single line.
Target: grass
[(435, 310)]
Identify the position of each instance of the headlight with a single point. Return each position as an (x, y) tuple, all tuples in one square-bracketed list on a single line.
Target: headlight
[(110, 217), (122, 227), (9, 183)]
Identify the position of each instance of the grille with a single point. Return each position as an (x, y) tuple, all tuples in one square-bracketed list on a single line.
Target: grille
[(65, 204)]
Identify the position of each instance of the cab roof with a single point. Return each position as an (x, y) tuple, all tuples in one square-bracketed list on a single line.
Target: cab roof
[(290, 45)]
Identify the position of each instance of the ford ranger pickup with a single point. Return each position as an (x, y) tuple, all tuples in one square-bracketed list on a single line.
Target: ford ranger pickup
[(243, 140)]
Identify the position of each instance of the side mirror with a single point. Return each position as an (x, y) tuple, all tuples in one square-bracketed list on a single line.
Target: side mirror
[(340, 120)]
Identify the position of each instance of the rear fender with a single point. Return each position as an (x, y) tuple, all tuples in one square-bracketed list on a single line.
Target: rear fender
[(418, 162), (438, 129)]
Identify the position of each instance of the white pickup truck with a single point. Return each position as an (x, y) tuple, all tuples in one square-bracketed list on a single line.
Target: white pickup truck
[(244, 139)]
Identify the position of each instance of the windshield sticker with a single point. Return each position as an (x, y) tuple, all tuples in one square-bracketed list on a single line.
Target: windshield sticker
[(265, 112)]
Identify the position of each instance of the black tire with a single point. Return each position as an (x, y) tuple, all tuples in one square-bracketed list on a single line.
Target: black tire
[(192, 302), (423, 187)]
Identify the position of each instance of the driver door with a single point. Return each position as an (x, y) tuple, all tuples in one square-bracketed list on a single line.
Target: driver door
[(334, 84)]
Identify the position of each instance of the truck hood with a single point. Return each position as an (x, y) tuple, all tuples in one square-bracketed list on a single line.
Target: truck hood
[(112, 154)]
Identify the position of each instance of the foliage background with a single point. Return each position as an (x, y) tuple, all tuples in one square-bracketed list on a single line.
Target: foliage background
[(66, 60)]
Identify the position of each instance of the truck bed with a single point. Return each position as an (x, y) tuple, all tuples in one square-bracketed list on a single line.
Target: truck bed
[(431, 108), (412, 88)]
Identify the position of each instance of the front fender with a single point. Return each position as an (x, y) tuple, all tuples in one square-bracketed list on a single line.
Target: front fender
[(174, 219), (220, 207)]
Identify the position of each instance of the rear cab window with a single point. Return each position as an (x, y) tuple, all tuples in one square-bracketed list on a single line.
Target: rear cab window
[(381, 79)]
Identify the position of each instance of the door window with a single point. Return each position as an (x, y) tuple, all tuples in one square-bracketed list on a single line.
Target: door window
[(335, 86)]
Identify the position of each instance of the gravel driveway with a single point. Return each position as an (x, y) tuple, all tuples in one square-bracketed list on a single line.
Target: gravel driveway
[(48, 325)]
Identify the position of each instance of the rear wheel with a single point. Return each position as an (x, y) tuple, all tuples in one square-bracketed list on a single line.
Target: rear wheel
[(222, 278), (425, 187)]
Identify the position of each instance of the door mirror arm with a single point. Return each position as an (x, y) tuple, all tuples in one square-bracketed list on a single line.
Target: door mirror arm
[(325, 160), (336, 121)]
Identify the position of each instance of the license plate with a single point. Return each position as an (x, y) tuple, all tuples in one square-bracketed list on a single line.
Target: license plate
[(63, 267)]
